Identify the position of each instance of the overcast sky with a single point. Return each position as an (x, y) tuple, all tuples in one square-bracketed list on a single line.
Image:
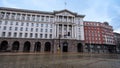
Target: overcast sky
[(95, 10)]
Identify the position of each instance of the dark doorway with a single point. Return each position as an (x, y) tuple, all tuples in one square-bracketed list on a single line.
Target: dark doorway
[(26, 47), (79, 47), (47, 46), (37, 47), (65, 47), (3, 46), (15, 46)]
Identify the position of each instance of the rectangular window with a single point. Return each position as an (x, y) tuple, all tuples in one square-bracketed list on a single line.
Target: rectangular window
[(31, 35), (45, 30), (22, 23), (26, 34), (26, 29), (41, 30), (20, 35), (21, 29), (16, 23), (9, 34), (16, 28), (10, 28), (41, 25), (6, 22), (50, 35), (50, 30), (31, 29), (4, 28), (36, 35), (41, 35), (0, 22), (36, 29), (32, 24), (45, 35), (27, 24), (3, 34), (11, 23), (15, 34)]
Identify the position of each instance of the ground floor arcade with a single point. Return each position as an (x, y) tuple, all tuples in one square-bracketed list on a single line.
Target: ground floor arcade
[(40, 45)]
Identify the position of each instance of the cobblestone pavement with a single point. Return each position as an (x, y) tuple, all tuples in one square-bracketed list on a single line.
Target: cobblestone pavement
[(65, 60)]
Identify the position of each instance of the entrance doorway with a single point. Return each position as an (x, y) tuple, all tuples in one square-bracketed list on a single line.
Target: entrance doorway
[(15, 46), (47, 47), (26, 47), (79, 47), (65, 47), (3, 46), (37, 47)]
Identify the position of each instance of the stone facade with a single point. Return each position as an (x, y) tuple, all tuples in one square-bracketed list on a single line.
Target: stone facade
[(52, 46)]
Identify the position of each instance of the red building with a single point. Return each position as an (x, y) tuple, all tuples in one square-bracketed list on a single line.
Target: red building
[(98, 37)]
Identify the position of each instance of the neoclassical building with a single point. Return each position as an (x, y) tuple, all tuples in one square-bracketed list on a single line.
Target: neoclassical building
[(24, 30)]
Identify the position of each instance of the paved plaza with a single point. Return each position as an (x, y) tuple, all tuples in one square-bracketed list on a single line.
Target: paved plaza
[(65, 60)]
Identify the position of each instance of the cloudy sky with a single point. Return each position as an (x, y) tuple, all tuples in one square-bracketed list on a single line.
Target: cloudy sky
[(95, 10)]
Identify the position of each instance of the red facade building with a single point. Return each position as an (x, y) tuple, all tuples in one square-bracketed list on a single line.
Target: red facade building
[(98, 37)]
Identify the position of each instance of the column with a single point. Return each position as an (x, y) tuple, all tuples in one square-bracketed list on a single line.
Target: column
[(72, 31), (63, 30), (4, 15), (55, 34), (67, 30), (58, 31), (67, 19)]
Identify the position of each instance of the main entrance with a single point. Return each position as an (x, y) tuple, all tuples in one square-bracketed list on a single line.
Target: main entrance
[(65, 47)]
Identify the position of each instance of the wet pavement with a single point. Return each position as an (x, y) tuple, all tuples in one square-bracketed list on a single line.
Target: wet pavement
[(65, 60)]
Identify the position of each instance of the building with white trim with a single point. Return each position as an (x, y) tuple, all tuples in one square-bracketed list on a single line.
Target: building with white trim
[(24, 30)]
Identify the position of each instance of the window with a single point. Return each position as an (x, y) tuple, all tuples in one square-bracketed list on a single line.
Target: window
[(31, 35), (21, 29), (36, 35), (4, 28), (31, 29), (45, 30), (0, 22), (27, 24), (15, 34), (42, 18), (32, 24), (41, 30), (16, 23), (37, 25), (50, 25), (20, 35), (6, 22), (36, 29), (46, 25), (26, 34), (3, 34), (11, 23), (10, 28), (41, 35), (22, 23), (41, 25), (45, 35), (26, 29), (50, 30), (50, 35), (9, 34), (16, 28)]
